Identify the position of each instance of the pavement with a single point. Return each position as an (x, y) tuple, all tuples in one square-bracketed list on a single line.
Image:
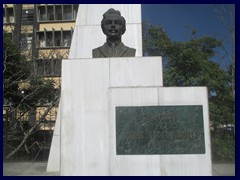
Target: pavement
[(27, 169), (223, 169), (39, 169)]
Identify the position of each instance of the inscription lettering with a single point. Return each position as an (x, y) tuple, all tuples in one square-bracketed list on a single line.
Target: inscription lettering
[(160, 130), (160, 117), (162, 136)]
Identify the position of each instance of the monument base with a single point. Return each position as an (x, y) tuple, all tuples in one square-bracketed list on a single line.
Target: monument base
[(174, 161), (93, 89)]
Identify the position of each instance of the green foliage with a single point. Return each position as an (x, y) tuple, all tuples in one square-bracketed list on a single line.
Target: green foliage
[(190, 64), (17, 71), (155, 40), (223, 146)]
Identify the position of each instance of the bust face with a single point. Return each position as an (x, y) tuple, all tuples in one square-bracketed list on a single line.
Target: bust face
[(113, 26)]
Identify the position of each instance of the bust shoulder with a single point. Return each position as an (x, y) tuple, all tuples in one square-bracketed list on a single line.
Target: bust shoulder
[(96, 53), (130, 52)]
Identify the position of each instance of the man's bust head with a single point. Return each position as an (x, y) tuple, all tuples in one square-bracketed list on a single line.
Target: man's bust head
[(113, 24)]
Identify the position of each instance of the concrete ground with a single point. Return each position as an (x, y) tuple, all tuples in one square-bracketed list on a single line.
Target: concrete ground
[(27, 169), (223, 169), (39, 169)]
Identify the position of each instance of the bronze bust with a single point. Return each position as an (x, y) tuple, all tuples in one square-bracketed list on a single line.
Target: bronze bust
[(113, 26)]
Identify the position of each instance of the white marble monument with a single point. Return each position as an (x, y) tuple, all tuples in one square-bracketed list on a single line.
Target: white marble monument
[(84, 141)]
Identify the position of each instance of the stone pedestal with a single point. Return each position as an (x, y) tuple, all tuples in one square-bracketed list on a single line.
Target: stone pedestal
[(91, 91), (168, 164), (85, 138)]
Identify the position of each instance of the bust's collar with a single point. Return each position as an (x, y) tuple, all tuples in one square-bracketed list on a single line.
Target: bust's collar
[(113, 45), (107, 51)]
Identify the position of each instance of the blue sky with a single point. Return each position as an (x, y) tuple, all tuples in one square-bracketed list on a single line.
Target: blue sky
[(179, 20)]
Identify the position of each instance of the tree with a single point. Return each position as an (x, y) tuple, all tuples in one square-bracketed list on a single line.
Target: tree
[(226, 16), (190, 64), (23, 92)]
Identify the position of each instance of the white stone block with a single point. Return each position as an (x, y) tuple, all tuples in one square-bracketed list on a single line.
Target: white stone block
[(144, 71), (57, 123), (193, 165), (130, 165), (54, 154), (92, 14), (83, 117), (164, 165)]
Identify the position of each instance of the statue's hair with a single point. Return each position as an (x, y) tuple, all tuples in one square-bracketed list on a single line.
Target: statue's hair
[(115, 12)]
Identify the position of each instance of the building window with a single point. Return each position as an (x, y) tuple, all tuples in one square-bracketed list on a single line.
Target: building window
[(42, 13), (75, 10), (49, 38), (50, 13), (11, 16), (41, 40), (27, 17), (8, 15), (67, 12), (48, 67), (57, 40), (4, 16), (57, 12), (26, 41), (57, 64), (54, 38), (67, 38)]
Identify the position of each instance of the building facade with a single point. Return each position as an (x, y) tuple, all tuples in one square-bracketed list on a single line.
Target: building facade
[(43, 33)]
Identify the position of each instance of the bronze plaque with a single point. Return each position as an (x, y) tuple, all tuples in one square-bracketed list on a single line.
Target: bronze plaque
[(160, 130)]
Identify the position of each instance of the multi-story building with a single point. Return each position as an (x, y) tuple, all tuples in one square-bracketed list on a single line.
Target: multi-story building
[(43, 32)]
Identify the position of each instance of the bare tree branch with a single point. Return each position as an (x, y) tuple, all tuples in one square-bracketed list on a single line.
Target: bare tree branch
[(29, 132)]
